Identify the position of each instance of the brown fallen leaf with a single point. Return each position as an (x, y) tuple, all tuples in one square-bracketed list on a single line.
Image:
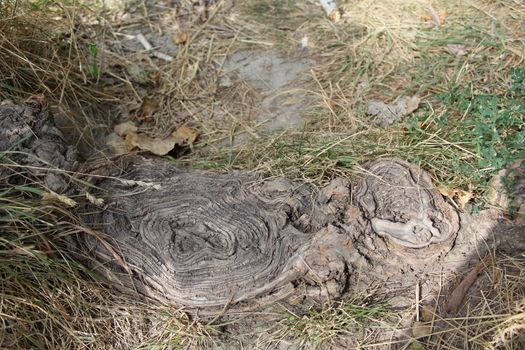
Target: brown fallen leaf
[(149, 107), (335, 15), (125, 128), (456, 297), (463, 197), (129, 108), (183, 136), (427, 313), (386, 114), (145, 142), (458, 196), (180, 37), (117, 145)]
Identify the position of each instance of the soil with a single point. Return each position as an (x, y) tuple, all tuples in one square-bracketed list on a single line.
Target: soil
[(279, 80)]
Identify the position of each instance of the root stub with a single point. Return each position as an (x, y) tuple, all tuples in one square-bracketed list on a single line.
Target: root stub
[(405, 209), (203, 239)]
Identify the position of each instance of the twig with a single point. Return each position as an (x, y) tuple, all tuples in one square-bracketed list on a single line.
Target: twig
[(147, 46)]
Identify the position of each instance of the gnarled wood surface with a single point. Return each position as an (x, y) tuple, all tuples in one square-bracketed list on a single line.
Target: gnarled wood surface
[(29, 138), (206, 239), (202, 238), (404, 208)]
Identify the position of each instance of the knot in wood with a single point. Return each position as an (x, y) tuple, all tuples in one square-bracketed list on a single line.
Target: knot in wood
[(405, 209)]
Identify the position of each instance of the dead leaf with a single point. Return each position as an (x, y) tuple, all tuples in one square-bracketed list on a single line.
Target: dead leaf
[(145, 142), (421, 329), (184, 136), (117, 145), (335, 15), (128, 108), (180, 37), (55, 197), (456, 297), (387, 114), (128, 140), (463, 197), (125, 128), (149, 107), (427, 313), (458, 196)]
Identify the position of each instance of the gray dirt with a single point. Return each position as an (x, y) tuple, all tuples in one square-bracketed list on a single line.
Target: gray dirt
[(279, 80)]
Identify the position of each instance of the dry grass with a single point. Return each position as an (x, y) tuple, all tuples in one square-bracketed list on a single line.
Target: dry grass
[(380, 50), (44, 49), (80, 57), (492, 317), (494, 314), (354, 323)]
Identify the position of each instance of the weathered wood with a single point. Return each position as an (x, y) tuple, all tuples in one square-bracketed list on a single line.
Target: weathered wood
[(405, 209), (29, 138), (207, 239)]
